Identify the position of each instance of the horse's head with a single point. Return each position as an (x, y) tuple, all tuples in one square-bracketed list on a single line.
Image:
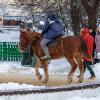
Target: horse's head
[(27, 38), (23, 41)]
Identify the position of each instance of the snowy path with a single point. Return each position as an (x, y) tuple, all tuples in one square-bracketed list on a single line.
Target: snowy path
[(21, 78), (21, 75)]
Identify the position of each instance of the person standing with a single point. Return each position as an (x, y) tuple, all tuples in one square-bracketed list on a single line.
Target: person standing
[(93, 33), (29, 25), (97, 41), (89, 42), (28, 57)]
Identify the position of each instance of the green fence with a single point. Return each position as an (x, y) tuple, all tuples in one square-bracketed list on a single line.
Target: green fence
[(9, 51)]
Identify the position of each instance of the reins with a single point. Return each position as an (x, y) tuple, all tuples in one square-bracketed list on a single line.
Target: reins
[(62, 45)]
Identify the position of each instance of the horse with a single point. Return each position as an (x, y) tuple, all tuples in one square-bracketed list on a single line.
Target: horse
[(73, 48)]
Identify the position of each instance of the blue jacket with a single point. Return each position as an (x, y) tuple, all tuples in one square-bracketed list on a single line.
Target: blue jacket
[(52, 28)]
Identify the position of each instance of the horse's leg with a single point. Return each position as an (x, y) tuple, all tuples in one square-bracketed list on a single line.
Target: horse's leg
[(37, 65), (74, 65), (81, 68), (45, 67)]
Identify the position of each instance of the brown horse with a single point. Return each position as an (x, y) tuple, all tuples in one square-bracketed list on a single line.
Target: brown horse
[(73, 48)]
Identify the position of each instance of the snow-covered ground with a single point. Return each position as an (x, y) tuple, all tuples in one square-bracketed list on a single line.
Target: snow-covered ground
[(9, 36), (58, 66), (88, 94)]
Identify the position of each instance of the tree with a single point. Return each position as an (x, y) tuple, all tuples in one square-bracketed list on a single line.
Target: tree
[(75, 16), (91, 7), (33, 6)]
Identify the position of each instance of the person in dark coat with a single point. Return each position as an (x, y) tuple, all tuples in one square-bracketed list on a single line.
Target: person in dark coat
[(93, 33), (52, 29), (89, 42), (28, 57), (22, 25), (29, 25)]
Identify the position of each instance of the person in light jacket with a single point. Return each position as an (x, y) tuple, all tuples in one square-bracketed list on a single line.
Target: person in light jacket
[(97, 41)]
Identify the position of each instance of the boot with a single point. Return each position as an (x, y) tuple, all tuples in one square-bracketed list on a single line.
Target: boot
[(92, 77), (47, 55)]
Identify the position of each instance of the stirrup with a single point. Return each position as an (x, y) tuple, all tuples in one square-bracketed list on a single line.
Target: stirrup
[(46, 58)]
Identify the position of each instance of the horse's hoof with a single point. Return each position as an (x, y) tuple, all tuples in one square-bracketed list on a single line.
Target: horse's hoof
[(80, 80), (44, 81), (69, 81), (39, 77)]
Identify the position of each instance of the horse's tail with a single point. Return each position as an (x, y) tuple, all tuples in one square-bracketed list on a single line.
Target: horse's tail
[(84, 50)]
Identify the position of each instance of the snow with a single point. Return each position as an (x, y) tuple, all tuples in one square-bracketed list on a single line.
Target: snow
[(9, 36), (55, 66), (60, 66), (41, 23), (13, 86)]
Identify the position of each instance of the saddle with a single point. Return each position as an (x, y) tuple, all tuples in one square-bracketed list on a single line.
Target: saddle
[(55, 41)]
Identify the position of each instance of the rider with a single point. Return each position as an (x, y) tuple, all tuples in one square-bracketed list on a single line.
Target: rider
[(52, 29)]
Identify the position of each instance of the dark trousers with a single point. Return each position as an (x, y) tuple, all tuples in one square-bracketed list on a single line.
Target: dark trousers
[(87, 65), (28, 57)]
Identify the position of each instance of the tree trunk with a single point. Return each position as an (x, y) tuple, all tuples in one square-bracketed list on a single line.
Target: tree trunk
[(92, 19), (91, 11), (75, 16)]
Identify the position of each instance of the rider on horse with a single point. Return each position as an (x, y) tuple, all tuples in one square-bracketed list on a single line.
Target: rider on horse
[(52, 30)]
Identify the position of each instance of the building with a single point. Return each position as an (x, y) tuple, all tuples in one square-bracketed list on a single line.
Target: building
[(13, 20)]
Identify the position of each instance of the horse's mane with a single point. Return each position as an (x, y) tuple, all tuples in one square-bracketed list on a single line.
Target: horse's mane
[(35, 35)]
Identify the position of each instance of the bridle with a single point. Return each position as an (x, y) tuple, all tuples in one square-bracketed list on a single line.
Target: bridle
[(23, 43)]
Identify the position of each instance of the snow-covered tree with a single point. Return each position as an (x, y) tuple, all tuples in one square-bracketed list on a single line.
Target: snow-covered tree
[(91, 7)]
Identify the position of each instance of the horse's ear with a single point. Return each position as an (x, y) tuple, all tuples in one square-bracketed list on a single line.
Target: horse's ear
[(22, 31)]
